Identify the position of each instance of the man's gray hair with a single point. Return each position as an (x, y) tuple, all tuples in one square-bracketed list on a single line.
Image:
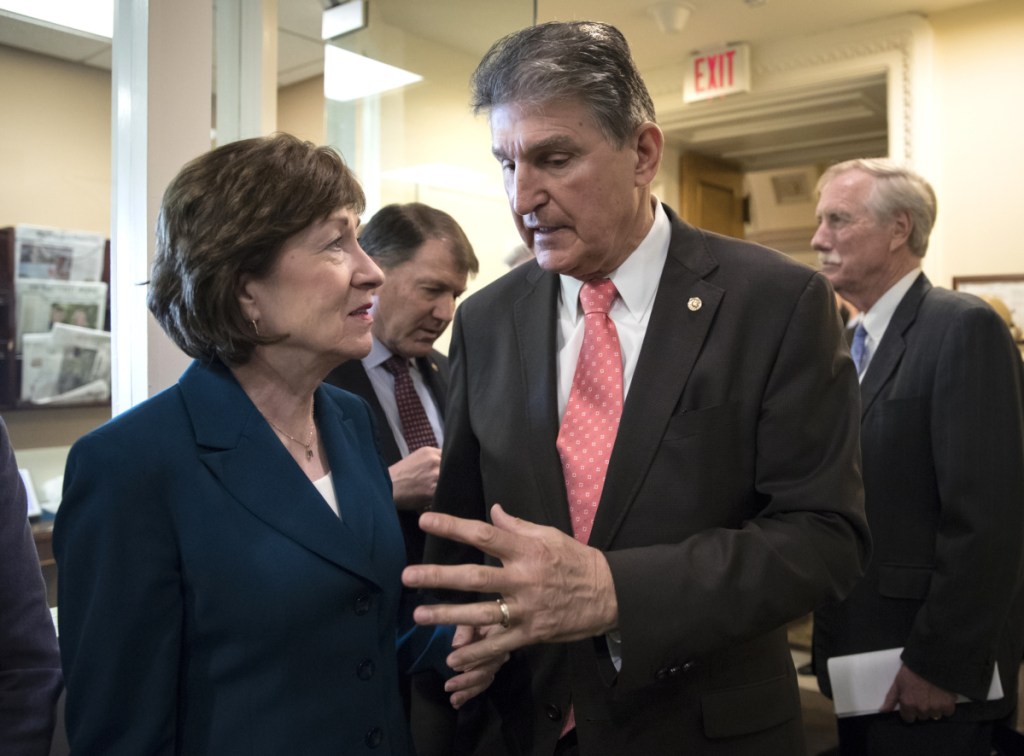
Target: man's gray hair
[(896, 188), (578, 60)]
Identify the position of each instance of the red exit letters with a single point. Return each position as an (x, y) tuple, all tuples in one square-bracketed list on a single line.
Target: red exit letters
[(714, 72)]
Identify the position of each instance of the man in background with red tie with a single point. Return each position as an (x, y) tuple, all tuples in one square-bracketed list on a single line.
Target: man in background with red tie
[(426, 259), (651, 437)]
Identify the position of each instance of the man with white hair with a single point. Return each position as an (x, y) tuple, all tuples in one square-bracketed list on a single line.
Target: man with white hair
[(942, 439)]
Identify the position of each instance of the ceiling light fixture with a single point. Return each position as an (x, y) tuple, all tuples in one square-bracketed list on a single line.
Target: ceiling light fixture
[(95, 17), (343, 18), (348, 76)]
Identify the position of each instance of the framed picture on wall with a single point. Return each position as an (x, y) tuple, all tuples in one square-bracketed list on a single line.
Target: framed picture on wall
[(1006, 295)]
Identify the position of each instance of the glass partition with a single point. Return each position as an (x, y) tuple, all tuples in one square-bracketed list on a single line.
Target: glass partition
[(421, 142)]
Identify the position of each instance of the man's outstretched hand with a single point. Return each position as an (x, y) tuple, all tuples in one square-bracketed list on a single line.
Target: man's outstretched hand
[(556, 589)]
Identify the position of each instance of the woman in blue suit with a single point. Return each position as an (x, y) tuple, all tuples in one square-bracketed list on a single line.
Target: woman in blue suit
[(229, 552)]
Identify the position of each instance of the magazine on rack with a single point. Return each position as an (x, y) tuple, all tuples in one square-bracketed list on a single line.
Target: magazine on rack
[(42, 304), (58, 254), (69, 365)]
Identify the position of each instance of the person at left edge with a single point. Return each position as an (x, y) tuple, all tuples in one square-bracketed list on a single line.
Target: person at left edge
[(228, 550), (30, 679)]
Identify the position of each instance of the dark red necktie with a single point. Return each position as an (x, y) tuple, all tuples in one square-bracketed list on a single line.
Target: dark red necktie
[(415, 424)]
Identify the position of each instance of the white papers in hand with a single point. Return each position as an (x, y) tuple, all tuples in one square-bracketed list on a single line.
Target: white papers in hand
[(861, 681)]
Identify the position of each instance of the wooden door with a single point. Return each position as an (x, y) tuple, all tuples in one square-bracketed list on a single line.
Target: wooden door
[(711, 194)]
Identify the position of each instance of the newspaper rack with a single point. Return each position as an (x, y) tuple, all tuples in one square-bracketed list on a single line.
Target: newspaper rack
[(54, 306)]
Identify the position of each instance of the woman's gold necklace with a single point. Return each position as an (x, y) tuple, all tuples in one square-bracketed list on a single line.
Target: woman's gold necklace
[(307, 444)]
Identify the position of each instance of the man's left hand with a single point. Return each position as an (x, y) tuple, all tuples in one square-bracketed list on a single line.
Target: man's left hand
[(917, 698), (556, 589), (473, 680)]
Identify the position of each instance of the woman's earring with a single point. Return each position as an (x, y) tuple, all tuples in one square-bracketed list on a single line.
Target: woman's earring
[(255, 327)]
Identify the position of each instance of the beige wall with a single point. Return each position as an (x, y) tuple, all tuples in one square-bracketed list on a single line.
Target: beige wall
[(55, 153), (979, 61), (56, 142), (52, 426), (300, 109)]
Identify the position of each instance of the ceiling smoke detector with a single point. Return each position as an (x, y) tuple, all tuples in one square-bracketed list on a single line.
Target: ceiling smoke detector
[(671, 18)]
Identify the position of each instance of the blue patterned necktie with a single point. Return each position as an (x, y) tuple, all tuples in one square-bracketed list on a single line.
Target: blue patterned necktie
[(859, 349)]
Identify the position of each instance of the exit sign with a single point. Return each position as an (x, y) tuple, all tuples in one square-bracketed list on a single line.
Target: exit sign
[(715, 73)]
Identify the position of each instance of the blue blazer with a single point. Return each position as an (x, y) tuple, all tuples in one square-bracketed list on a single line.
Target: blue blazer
[(211, 602)]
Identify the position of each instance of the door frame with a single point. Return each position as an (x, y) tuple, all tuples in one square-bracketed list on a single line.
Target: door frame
[(899, 48)]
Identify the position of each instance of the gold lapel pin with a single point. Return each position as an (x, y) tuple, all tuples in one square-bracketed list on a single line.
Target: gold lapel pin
[(694, 304)]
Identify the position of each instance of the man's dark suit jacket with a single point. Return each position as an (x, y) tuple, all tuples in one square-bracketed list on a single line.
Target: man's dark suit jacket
[(941, 432), (30, 677), (352, 376), (732, 502)]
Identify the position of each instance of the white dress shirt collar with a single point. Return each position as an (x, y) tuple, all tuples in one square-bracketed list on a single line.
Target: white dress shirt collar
[(379, 354), (383, 384), (637, 281), (876, 320)]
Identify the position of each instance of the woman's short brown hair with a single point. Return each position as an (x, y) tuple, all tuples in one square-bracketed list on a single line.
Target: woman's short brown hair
[(227, 214)]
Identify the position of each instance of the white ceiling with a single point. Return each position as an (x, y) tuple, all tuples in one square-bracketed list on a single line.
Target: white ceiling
[(808, 127), (711, 23), (471, 25)]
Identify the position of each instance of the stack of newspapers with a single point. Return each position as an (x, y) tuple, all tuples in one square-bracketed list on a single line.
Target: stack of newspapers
[(61, 308)]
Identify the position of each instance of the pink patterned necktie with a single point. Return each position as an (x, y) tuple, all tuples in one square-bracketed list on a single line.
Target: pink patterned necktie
[(592, 414), (415, 425)]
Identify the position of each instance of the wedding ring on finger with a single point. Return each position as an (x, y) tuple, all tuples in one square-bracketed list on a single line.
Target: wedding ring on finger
[(506, 616)]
